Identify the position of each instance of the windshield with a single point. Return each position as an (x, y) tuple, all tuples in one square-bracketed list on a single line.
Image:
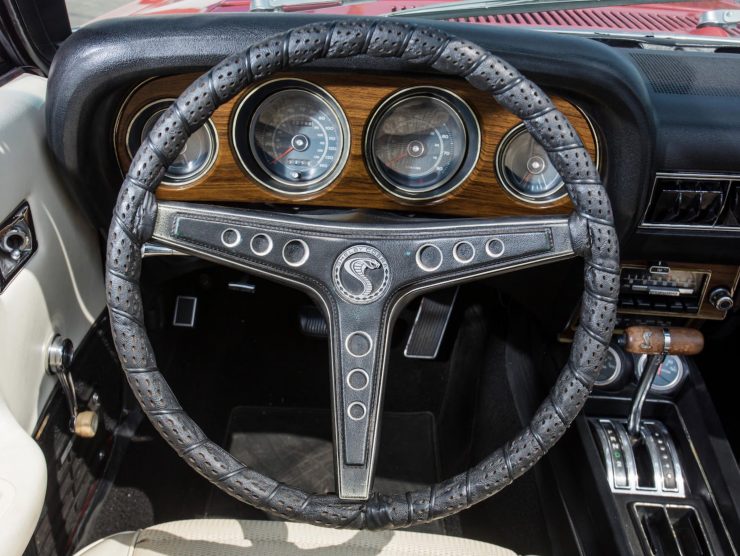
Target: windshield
[(700, 22)]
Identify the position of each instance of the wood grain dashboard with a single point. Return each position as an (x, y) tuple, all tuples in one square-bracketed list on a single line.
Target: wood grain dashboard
[(481, 195)]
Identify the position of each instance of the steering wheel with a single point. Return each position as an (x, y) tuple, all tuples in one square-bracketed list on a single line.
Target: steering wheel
[(361, 275)]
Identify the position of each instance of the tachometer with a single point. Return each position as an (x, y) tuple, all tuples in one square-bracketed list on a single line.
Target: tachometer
[(296, 137), (422, 143)]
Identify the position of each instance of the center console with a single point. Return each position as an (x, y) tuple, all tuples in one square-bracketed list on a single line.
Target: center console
[(660, 477), (673, 493)]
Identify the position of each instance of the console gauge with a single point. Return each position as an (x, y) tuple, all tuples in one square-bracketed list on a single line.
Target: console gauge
[(422, 143), (296, 138), (196, 158), (616, 370), (670, 377)]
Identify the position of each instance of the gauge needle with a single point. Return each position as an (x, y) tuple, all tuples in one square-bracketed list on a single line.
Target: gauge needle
[(285, 153), (398, 158)]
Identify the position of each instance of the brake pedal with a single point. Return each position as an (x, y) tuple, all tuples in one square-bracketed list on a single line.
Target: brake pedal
[(430, 325)]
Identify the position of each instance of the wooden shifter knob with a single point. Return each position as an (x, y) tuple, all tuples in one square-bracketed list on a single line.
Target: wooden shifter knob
[(652, 340)]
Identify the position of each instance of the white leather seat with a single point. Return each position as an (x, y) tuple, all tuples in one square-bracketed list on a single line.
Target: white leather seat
[(229, 537)]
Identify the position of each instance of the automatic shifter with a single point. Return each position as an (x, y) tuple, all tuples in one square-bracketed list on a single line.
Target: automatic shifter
[(656, 343)]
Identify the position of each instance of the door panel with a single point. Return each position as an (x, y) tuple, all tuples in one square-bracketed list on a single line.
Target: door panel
[(58, 291)]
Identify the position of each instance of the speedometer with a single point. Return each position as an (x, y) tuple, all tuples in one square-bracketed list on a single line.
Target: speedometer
[(296, 137), (422, 143)]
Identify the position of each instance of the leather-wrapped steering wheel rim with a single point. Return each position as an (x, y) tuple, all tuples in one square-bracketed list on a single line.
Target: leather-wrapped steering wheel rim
[(592, 236)]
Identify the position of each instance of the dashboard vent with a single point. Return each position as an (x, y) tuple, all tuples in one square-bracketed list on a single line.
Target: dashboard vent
[(694, 201)]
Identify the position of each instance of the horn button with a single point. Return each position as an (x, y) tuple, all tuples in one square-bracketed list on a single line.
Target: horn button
[(361, 274)]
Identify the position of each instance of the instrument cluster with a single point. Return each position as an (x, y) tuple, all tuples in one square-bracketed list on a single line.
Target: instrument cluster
[(419, 144)]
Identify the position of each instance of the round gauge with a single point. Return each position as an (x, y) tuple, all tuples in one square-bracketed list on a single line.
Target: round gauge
[(617, 366), (296, 139), (422, 143), (525, 170), (196, 158), (671, 374)]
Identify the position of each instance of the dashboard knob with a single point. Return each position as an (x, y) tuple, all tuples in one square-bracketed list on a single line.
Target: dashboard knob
[(721, 299)]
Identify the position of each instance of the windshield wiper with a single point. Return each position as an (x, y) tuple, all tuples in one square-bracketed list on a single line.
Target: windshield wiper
[(475, 8)]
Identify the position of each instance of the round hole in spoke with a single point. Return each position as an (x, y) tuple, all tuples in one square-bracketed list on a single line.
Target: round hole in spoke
[(463, 252), (261, 244), (231, 237), (356, 411), (359, 344), (357, 379), (429, 257), (495, 248), (295, 252)]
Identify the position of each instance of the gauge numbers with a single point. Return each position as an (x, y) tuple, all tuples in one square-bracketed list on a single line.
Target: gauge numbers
[(291, 136), (295, 136), (419, 143), (422, 143)]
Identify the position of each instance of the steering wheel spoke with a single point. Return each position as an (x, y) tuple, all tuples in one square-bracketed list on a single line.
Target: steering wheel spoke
[(359, 340), (361, 262)]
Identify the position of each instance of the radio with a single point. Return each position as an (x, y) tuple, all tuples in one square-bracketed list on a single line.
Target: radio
[(677, 289)]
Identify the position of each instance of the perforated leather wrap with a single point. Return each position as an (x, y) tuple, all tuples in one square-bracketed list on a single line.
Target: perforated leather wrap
[(593, 236)]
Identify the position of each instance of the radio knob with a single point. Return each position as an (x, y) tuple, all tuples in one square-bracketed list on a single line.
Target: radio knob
[(721, 299)]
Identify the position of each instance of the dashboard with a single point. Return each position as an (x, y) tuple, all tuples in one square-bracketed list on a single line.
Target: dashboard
[(374, 142), (380, 135)]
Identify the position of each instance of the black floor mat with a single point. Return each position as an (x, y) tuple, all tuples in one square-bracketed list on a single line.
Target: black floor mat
[(294, 446)]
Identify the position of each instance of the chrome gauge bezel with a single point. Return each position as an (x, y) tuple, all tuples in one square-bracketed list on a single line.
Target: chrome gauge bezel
[(544, 198), (138, 122), (617, 370), (242, 126), (672, 386), (470, 125)]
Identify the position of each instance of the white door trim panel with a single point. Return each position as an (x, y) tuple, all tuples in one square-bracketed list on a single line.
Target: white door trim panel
[(59, 291)]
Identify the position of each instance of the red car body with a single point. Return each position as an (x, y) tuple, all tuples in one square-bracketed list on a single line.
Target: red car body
[(679, 18)]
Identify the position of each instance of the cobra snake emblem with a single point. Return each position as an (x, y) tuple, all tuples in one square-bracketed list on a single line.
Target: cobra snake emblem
[(357, 268), (646, 342)]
